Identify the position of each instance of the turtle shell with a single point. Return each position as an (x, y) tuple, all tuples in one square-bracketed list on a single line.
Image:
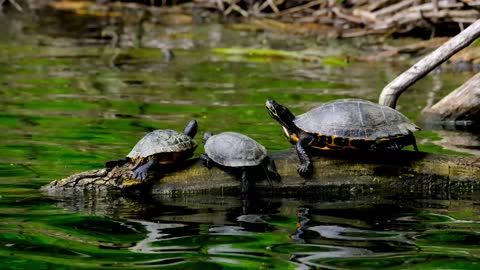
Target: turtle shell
[(355, 119), (162, 141), (233, 149)]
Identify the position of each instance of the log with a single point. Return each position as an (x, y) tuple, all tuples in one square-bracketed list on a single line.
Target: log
[(403, 172), (461, 104), (395, 88)]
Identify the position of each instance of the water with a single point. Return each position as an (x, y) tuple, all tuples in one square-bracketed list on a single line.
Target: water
[(70, 101)]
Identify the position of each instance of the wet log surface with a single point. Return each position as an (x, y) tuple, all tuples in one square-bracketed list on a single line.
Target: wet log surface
[(400, 173)]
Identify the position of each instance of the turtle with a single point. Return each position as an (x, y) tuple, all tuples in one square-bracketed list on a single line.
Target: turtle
[(161, 146), (238, 153), (343, 124)]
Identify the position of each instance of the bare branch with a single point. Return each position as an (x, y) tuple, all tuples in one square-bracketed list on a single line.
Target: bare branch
[(395, 88)]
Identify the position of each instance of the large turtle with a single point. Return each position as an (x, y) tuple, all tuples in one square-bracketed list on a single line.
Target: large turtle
[(231, 150), (161, 146), (344, 124)]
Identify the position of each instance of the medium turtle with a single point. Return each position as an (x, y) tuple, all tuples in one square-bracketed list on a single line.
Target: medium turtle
[(344, 124), (162, 146), (240, 153)]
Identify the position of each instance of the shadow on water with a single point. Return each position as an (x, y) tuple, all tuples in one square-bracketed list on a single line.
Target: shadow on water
[(70, 101)]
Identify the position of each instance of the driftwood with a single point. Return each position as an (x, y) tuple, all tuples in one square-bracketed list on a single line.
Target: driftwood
[(403, 172), (459, 106), (395, 88)]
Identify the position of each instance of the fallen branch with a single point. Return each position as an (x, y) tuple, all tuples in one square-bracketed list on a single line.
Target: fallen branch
[(394, 89)]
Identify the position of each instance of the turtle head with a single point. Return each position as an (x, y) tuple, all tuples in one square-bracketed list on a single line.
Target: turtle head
[(206, 136), (191, 129), (280, 113)]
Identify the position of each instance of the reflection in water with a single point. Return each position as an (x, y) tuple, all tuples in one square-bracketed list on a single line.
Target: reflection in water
[(154, 233), (314, 258), (338, 232), (290, 233), (301, 225)]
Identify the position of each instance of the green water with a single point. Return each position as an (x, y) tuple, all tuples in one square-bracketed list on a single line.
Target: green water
[(69, 102)]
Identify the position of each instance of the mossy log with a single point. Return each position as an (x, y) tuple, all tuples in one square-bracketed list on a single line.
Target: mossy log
[(353, 172)]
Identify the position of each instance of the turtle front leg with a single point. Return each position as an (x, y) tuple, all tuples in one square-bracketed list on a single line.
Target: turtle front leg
[(305, 168), (141, 172), (207, 161)]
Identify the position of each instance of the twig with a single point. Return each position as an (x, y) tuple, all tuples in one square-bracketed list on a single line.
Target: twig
[(393, 8), (234, 6), (14, 4), (220, 5), (452, 13), (346, 17), (302, 7), (471, 5), (271, 4), (444, 5), (377, 4), (435, 5)]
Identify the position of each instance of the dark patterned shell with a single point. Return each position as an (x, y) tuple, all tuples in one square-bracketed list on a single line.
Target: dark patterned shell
[(356, 119), (234, 150), (161, 141)]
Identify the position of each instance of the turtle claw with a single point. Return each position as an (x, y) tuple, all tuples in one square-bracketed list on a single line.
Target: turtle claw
[(142, 176), (305, 170), (141, 173), (207, 162)]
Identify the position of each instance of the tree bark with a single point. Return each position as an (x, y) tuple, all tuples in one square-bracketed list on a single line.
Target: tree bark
[(403, 172), (395, 88)]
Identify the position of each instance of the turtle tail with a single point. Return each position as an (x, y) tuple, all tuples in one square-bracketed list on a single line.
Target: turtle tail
[(407, 128)]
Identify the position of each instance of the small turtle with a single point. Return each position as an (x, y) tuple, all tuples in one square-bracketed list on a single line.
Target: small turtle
[(344, 124), (231, 150), (161, 146)]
